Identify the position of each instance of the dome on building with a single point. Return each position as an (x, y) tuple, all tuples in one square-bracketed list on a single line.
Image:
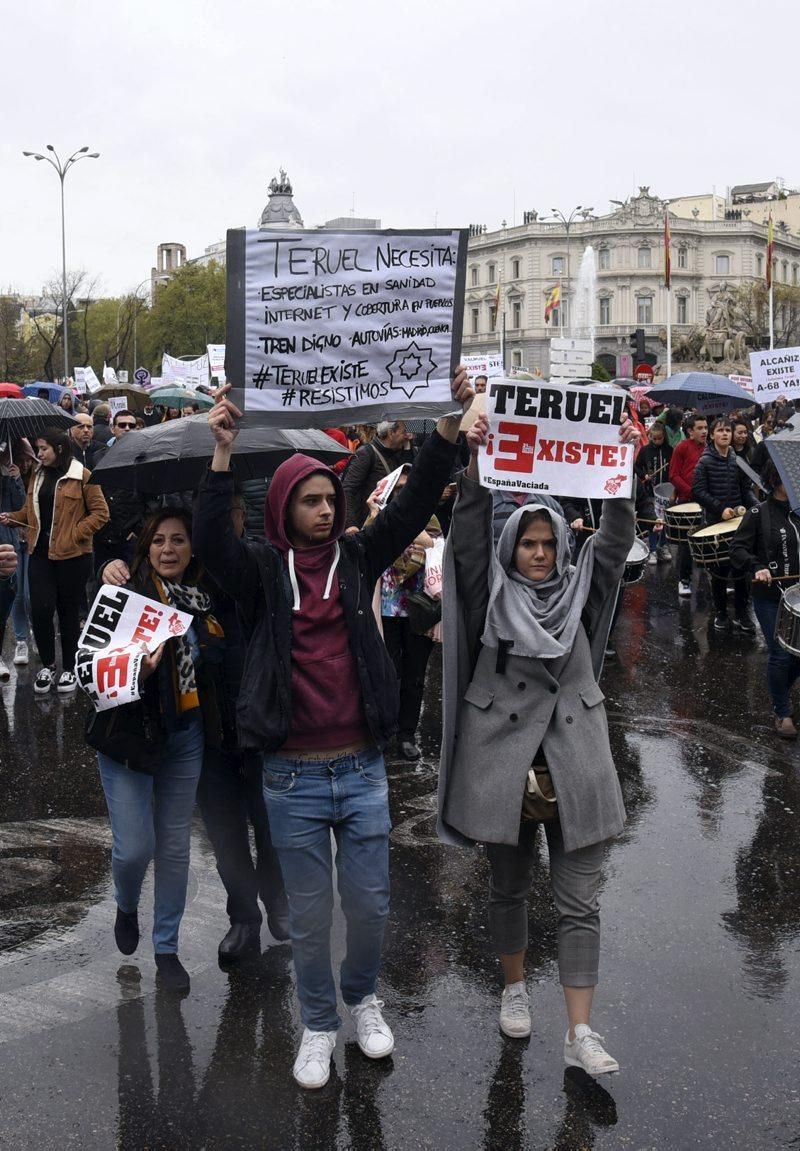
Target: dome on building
[(280, 211)]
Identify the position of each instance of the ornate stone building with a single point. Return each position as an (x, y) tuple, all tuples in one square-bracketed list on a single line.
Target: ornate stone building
[(708, 257)]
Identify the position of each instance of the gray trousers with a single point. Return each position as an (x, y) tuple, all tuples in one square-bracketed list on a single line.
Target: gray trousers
[(575, 881)]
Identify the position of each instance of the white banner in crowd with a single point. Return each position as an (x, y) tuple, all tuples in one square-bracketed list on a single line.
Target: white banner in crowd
[(109, 375), (122, 628), (117, 404), (216, 361), (775, 373), (364, 324), (184, 373), (560, 439), (86, 380), (489, 365)]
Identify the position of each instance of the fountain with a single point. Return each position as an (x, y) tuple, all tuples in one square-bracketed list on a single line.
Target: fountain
[(585, 303)]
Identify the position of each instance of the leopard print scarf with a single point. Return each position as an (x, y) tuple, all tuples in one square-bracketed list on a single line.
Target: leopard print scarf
[(196, 602)]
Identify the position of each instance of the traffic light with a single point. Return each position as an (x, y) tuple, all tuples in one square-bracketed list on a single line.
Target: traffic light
[(637, 345)]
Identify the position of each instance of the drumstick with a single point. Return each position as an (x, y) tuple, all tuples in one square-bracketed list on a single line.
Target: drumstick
[(17, 523), (777, 579)]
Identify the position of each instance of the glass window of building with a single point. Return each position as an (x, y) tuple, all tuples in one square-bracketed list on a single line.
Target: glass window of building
[(604, 259), (683, 257), (515, 269), (722, 265), (644, 309), (605, 310), (492, 273), (643, 258), (558, 265), (785, 267), (759, 264), (682, 310), (476, 319), (474, 277), (516, 314), (516, 359)]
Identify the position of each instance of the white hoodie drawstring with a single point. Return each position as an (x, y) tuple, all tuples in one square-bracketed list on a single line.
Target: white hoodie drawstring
[(293, 581), (337, 553), (296, 587)]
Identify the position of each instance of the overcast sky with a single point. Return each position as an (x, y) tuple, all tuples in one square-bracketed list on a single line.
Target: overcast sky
[(448, 111)]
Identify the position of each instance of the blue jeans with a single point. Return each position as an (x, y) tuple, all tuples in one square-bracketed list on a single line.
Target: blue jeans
[(306, 800), (151, 818), (783, 668), (21, 611)]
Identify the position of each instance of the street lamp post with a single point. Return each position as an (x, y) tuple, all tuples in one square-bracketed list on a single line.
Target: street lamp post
[(146, 280), (61, 169), (567, 222)]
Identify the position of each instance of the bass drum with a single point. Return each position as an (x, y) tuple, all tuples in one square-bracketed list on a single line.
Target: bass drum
[(712, 544), (787, 625), (634, 564), (682, 520)]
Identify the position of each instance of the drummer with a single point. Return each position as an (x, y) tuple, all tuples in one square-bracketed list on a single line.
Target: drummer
[(685, 457), (722, 489), (652, 469), (766, 548)]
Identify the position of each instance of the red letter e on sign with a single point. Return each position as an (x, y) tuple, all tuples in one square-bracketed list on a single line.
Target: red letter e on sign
[(519, 451)]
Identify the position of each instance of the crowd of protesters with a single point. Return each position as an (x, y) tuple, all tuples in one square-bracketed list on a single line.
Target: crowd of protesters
[(315, 612)]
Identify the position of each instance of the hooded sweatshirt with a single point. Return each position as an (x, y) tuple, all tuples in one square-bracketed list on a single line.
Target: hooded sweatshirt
[(326, 699)]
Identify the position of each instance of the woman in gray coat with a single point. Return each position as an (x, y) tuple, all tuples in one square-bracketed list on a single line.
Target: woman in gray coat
[(525, 736)]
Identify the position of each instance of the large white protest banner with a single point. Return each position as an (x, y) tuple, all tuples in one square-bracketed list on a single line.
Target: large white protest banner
[(560, 439), (367, 324), (489, 364), (122, 628), (775, 373), (184, 373)]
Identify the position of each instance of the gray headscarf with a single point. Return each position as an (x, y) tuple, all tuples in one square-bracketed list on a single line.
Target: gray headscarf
[(540, 619)]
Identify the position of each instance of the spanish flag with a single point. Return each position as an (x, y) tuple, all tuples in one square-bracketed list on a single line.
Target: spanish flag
[(770, 250), (667, 263), (496, 305), (553, 301)]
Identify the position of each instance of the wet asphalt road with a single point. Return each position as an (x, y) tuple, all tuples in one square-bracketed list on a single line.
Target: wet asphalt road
[(699, 997)]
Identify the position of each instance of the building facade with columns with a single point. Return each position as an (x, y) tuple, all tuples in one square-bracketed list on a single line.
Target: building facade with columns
[(529, 261)]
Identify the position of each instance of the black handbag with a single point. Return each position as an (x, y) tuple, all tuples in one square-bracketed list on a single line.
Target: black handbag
[(424, 612), (130, 734)]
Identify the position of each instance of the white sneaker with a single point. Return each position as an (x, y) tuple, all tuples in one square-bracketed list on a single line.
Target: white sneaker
[(44, 681), (652, 559), (312, 1067), (21, 652), (665, 552), (586, 1050), (684, 588), (66, 683), (5, 673), (515, 1012), (373, 1034)]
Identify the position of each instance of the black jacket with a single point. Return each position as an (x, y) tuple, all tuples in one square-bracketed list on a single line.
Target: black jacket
[(254, 573), (653, 460), (719, 483), (371, 463), (768, 537)]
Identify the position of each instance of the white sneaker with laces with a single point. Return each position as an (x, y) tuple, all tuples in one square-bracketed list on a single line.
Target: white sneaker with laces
[(44, 681), (312, 1067), (515, 1012), (21, 652), (652, 559), (684, 588), (586, 1050), (66, 683), (665, 552), (4, 671), (373, 1034)]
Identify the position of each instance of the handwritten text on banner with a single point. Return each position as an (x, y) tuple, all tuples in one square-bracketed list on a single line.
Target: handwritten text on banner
[(367, 323)]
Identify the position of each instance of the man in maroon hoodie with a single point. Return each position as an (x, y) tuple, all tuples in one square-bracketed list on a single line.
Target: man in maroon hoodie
[(319, 699), (681, 475)]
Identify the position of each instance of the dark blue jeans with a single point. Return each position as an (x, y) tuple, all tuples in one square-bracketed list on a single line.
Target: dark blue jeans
[(783, 668), (306, 800), (230, 802)]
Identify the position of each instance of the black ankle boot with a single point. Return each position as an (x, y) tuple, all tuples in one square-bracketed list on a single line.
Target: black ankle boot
[(126, 931), (243, 939), (171, 974)]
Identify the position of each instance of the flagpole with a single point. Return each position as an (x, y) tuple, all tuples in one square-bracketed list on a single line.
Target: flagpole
[(669, 332), (503, 342), (771, 322), (560, 309)]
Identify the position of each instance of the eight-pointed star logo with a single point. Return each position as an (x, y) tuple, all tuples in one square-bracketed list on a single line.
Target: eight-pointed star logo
[(410, 368)]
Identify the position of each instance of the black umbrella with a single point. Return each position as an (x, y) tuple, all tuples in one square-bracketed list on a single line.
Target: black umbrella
[(28, 418), (173, 457), (783, 449)]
